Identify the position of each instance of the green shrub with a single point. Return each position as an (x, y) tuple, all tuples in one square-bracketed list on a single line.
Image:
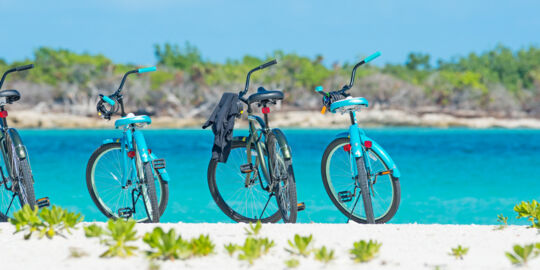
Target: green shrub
[(363, 251), (530, 211), (166, 246), (117, 237), (503, 222), (324, 255), (300, 245), (459, 251), (522, 254), (292, 263), (252, 249), (253, 230), (202, 246), (48, 222)]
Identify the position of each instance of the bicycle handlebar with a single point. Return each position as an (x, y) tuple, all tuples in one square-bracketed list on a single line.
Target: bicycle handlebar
[(20, 68), (263, 66), (372, 57), (147, 69), (25, 67)]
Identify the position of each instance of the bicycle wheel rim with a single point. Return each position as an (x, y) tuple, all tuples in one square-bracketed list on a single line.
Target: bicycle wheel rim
[(105, 175), (242, 204), (339, 179)]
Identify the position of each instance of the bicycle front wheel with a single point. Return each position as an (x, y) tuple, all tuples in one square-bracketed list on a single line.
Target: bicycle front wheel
[(103, 180), (342, 188), (283, 175), (240, 201)]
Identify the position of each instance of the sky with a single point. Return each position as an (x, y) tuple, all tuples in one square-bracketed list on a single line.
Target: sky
[(127, 30)]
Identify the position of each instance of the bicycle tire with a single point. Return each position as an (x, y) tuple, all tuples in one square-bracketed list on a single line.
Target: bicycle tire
[(386, 214), (151, 194), (286, 196), (220, 201), (98, 153)]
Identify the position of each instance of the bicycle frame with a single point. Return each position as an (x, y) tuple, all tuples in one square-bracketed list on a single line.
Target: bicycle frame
[(357, 138)]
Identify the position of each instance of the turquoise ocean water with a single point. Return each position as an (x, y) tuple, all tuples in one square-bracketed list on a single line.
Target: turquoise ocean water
[(451, 176)]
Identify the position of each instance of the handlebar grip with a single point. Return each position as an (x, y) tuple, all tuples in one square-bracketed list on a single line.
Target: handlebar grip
[(148, 69), (108, 100), (25, 67), (371, 57), (319, 88), (265, 65)]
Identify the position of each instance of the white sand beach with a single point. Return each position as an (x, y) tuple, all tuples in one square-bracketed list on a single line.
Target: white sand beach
[(411, 246)]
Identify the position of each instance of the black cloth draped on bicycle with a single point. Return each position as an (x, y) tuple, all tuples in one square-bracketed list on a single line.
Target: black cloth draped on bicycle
[(222, 122)]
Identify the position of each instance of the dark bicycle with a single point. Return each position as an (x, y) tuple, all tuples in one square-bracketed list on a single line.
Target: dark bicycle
[(258, 168), (17, 180)]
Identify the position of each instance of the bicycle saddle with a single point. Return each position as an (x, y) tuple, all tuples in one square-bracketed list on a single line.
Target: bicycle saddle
[(11, 95), (263, 95)]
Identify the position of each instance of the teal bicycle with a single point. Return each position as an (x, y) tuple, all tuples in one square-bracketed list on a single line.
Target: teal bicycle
[(354, 166), (124, 178)]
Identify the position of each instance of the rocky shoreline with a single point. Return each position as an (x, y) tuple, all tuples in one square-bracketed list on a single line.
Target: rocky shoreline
[(301, 119)]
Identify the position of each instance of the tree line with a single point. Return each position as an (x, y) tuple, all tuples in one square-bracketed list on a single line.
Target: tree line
[(499, 82)]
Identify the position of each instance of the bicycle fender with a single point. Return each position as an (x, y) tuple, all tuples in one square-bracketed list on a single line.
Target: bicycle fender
[(20, 149), (162, 172), (112, 140), (141, 146), (283, 144), (379, 151)]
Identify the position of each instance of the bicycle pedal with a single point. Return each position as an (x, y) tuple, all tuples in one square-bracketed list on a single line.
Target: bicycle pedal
[(345, 196), (125, 212), (43, 202), (247, 168), (301, 206), (158, 163)]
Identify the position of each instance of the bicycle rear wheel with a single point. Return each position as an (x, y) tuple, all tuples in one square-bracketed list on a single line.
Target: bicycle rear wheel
[(340, 184), (282, 171), (18, 192), (103, 174), (227, 185)]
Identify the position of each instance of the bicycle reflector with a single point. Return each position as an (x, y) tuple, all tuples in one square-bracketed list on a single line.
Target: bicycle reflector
[(368, 144), (3, 114), (347, 147), (265, 110), (131, 154)]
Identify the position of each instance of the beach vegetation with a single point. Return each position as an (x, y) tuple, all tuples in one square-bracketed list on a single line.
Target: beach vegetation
[(166, 245), (252, 249), (301, 245), (254, 229), (47, 222), (118, 236), (202, 246), (459, 251), (323, 254), (521, 255), (365, 251), (292, 263), (503, 221), (77, 252), (529, 211)]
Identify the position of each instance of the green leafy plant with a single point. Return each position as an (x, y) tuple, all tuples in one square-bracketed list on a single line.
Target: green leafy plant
[(252, 249), (300, 245), (363, 251), (231, 248), (503, 222), (522, 254), (530, 211), (93, 230), (202, 246), (47, 221), (77, 252), (117, 237), (253, 230), (292, 263), (166, 245), (324, 255), (459, 251)]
